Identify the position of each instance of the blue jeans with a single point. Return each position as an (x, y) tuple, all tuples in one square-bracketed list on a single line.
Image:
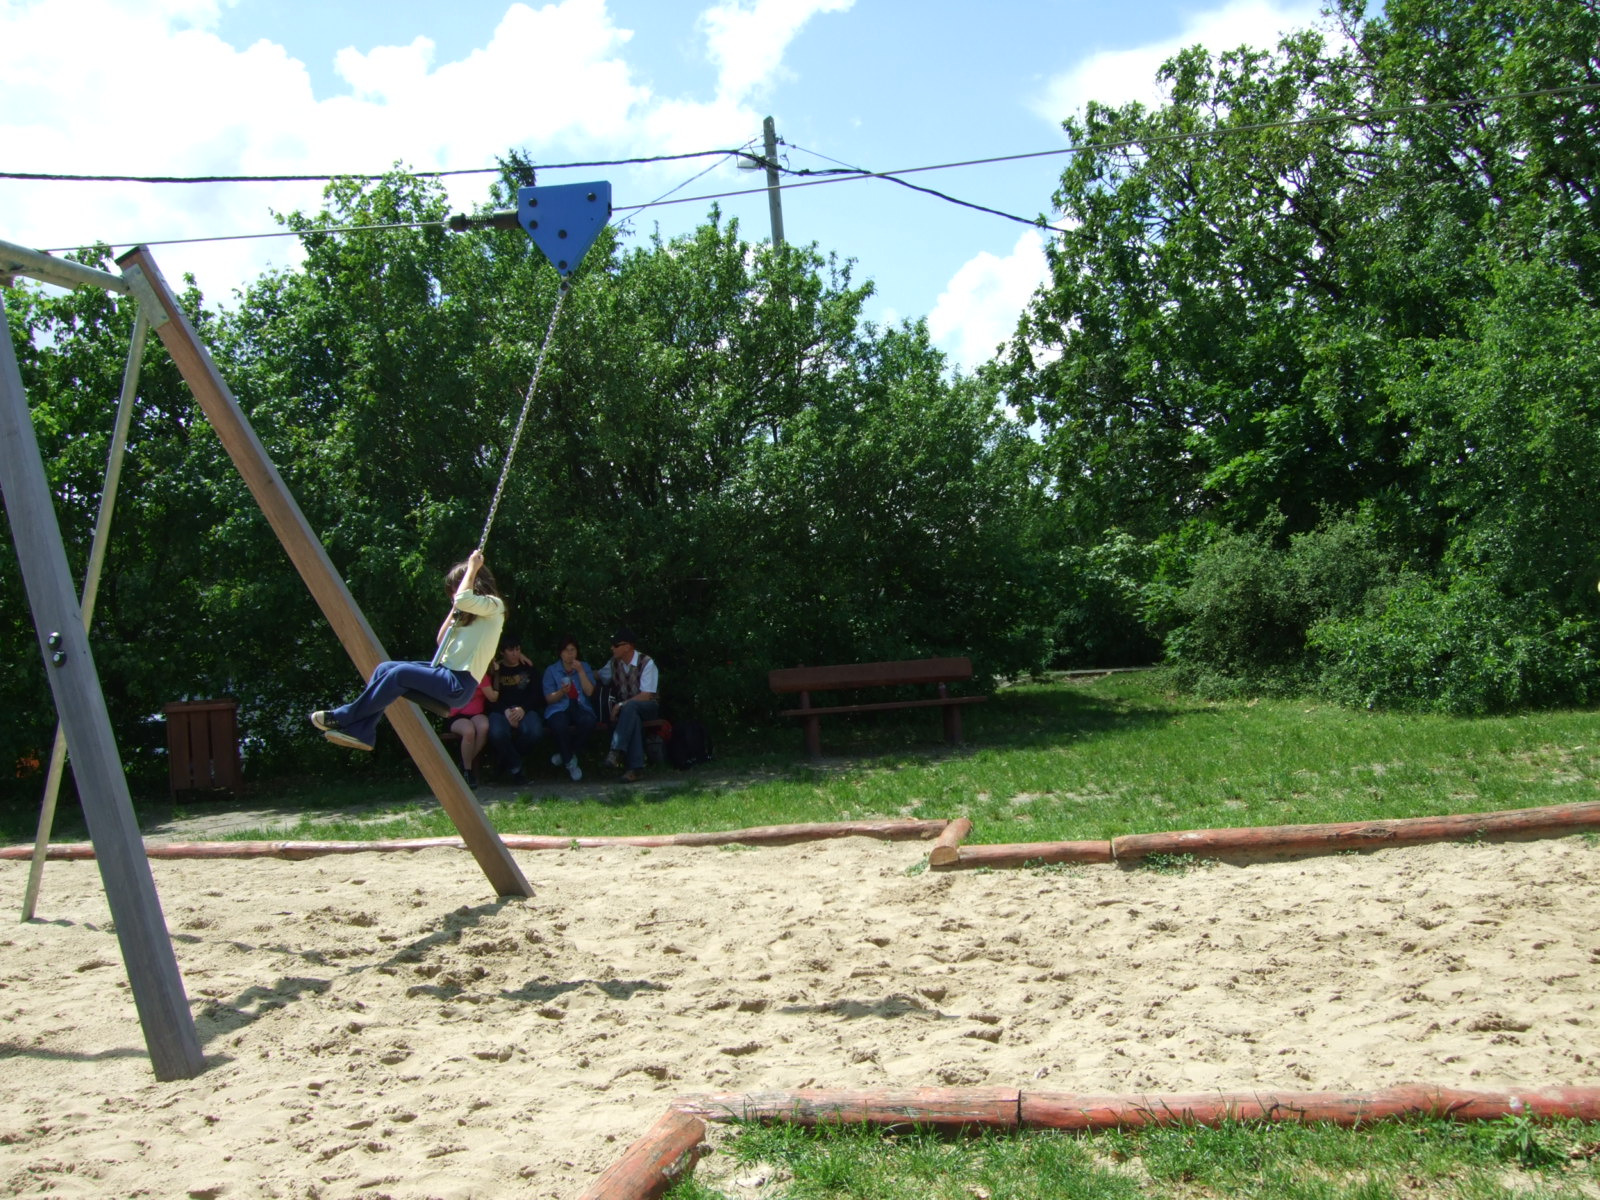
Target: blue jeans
[(571, 728), (389, 679), (510, 742), (628, 736)]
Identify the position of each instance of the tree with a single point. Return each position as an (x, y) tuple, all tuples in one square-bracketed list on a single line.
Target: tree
[(1302, 291)]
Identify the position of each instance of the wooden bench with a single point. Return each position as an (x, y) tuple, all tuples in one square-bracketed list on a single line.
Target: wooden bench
[(853, 677)]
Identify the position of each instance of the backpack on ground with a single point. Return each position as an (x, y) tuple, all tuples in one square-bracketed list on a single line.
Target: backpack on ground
[(690, 744)]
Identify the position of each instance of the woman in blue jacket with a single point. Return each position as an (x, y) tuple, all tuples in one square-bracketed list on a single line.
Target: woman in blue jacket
[(569, 705)]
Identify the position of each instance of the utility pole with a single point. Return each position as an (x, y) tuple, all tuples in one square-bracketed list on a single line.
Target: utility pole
[(774, 193)]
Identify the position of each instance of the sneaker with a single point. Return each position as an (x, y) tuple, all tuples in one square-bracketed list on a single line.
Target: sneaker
[(632, 776), (472, 779), (555, 759), (339, 738), (574, 770), (323, 721), (614, 759)]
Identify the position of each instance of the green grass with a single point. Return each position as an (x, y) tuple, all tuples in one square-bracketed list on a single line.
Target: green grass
[(1064, 762), (1042, 762), (1420, 1160)]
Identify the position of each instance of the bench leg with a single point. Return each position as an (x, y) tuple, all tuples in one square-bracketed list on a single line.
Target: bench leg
[(814, 736), (952, 723)]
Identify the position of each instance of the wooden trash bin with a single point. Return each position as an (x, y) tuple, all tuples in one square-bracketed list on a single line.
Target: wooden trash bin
[(202, 745)]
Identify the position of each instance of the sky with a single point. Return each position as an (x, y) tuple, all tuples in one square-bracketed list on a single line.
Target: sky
[(236, 87)]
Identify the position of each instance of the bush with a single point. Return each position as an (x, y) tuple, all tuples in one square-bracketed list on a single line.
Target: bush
[(1104, 621), (1461, 647), (1249, 605)]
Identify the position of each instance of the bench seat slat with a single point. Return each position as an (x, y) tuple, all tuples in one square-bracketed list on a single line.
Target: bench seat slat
[(866, 675), (883, 706)]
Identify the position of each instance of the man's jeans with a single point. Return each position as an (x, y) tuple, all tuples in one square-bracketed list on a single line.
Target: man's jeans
[(628, 736)]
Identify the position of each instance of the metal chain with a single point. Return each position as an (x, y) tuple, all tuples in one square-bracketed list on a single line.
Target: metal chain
[(522, 420)]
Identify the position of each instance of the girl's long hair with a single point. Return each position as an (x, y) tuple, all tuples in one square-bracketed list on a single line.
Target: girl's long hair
[(483, 585)]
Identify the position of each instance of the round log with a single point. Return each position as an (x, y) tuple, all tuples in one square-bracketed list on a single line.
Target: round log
[(781, 835), (1021, 854), (1055, 1110), (1360, 835), (655, 1162), (768, 835), (944, 1108), (945, 848)]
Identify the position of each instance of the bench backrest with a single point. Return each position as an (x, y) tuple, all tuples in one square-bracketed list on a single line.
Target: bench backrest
[(865, 675)]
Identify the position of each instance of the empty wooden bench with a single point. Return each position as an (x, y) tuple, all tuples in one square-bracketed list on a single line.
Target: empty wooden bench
[(937, 672)]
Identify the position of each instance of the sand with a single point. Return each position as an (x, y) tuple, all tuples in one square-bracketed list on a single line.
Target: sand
[(381, 1026)]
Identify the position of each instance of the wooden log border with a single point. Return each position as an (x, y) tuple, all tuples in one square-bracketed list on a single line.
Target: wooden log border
[(766, 835), (1558, 820), (667, 1151), (674, 1143)]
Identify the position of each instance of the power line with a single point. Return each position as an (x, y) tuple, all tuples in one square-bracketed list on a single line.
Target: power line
[(741, 152), (846, 170), (850, 174), (610, 162), (1358, 117)]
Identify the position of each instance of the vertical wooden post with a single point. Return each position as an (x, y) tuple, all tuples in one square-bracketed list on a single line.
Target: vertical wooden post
[(952, 717), (813, 728), (327, 587), (158, 994)]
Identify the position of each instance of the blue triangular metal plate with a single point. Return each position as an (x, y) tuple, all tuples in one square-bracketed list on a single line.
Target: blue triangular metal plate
[(563, 220)]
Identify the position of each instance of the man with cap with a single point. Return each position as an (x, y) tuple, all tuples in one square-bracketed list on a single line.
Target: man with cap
[(515, 725), (634, 681)]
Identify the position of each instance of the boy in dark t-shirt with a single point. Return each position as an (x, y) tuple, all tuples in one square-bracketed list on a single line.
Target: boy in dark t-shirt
[(515, 724)]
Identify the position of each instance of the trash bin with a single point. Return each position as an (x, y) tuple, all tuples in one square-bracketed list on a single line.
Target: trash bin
[(202, 745)]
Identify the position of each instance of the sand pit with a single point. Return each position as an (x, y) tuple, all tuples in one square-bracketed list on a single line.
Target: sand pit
[(380, 1026)]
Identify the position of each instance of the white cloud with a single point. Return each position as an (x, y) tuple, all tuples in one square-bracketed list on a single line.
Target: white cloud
[(1116, 77), (978, 309), (747, 40), (175, 99)]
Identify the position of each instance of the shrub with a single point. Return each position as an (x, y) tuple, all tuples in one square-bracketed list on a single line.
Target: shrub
[(1458, 647), (1249, 605)]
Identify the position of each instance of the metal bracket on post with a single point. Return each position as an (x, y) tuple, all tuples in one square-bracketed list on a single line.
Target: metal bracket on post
[(563, 220), (139, 285)]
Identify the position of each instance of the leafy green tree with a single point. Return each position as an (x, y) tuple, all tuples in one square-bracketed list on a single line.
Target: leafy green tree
[(719, 452), (1328, 280)]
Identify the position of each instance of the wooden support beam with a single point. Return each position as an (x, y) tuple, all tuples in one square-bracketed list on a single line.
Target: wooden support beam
[(305, 550), (158, 993)]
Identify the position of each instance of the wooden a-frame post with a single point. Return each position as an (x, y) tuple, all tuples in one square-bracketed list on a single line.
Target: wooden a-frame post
[(158, 993), (311, 560)]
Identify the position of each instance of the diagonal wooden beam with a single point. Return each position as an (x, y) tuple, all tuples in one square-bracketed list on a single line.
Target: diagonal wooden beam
[(305, 550), (158, 993)]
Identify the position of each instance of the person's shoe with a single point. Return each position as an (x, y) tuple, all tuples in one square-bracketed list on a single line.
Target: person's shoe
[(555, 759), (632, 776), (516, 779), (472, 779), (614, 759), (574, 770), (340, 738), (323, 721)]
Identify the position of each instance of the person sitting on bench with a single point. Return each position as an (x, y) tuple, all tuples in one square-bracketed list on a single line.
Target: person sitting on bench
[(515, 725), (634, 681)]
